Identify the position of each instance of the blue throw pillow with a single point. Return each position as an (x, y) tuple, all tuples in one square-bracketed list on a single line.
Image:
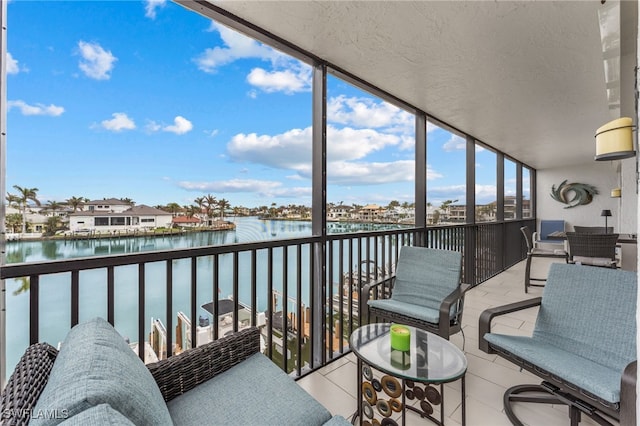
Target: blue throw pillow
[(95, 366)]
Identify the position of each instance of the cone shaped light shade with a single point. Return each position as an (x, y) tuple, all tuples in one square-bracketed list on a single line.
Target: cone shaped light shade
[(614, 140)]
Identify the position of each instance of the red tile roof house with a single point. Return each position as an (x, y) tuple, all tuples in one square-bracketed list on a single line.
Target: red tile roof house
[(185, 221)]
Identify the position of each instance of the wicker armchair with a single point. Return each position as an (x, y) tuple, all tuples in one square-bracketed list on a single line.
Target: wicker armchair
[(174, 376), (593, 229), (28, 380), (593, 249), (425, 292)]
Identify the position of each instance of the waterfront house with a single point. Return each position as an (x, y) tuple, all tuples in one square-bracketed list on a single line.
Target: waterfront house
[(186, 222), (525, 81), (106, 205), (113, 217), (340, 212)]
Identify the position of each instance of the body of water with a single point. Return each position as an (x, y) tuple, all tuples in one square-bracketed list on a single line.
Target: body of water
[(55, 289)]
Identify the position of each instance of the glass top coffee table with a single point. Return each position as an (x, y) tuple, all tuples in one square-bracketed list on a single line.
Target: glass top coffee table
[(406, 378)]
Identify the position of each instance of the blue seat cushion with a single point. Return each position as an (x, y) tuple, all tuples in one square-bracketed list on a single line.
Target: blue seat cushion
[(408, 309), (95, 366), (98, 415), (253, 392), (598, 379), (590, 312), (426, 276)]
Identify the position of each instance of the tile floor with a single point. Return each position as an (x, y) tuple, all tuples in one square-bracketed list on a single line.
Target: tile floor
[(488, 376)]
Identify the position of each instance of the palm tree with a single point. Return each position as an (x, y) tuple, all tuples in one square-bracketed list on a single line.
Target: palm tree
[(13, 221), (200, 203), (53, 224), (222, 205), (128, 201), (191, 211), (173, 208), (76, 202), (53, 207), (24, 195), (210, 203), (13, 201)]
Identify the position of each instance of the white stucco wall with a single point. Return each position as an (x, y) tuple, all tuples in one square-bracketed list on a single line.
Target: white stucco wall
[(604, 176)]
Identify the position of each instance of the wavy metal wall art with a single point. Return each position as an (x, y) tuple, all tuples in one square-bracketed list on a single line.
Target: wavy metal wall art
[(582, 193)]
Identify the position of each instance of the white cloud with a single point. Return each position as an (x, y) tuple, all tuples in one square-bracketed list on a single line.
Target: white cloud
[(37, 109), (288, 81), (292, 150), (96, 62), (151, 6), (432, 174), (262, 188), (180, 127), (451, 192), (152, 126), (366, 112), (357, 173), (485, 193), (12, 65), (455, 143), (236, 46), (119, 122)]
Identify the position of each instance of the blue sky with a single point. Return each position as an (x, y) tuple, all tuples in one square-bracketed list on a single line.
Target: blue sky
[(153, 102)]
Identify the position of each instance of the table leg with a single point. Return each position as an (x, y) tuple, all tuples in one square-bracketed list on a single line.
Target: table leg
[(442, 404), (358, 413), (464, 401)]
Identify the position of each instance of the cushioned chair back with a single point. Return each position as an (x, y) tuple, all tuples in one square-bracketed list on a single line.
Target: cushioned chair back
[(590, 312), (425, 276), (592, 245), (549, 226)]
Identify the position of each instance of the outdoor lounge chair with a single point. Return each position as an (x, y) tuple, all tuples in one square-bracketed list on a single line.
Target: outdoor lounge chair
[(425, 292), (534, 252), (583, 345)]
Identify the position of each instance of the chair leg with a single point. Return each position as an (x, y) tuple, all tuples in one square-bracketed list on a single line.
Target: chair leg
[(546, 393), (527, 275)]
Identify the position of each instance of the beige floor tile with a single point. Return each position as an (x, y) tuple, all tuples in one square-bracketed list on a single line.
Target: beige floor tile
[(488, 375)]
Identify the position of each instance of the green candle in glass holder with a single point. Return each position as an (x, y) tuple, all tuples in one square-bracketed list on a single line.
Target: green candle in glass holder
[(400, 337)]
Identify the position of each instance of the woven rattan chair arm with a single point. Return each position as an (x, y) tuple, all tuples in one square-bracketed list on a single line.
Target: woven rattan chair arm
[(628, 413), (487, 315), (26, 383), (181, 373)]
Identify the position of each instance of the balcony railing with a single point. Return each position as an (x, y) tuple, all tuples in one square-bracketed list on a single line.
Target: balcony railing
[(301, 292)]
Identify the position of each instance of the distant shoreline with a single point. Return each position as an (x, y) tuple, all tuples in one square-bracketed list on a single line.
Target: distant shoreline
[(227, 226)]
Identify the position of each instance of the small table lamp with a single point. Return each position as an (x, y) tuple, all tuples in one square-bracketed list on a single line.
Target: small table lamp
[(606, 214)]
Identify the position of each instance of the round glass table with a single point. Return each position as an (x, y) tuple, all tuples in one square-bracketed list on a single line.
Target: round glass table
[(406, 380)]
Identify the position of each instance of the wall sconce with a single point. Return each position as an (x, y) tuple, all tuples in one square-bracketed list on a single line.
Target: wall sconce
[(616, 193), (614, 140)]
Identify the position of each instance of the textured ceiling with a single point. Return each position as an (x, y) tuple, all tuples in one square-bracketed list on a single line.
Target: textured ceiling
[(524, 77)]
